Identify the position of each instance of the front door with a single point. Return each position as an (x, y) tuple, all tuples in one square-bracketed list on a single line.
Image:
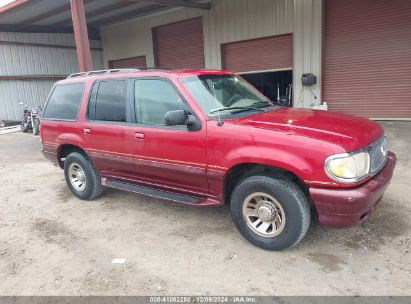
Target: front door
[(172, 156)]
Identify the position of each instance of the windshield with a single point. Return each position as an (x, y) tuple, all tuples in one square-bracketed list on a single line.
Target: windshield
[(225, 94)]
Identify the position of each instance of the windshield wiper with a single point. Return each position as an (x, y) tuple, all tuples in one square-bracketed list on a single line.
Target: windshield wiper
[(263, 104), (241, 109)]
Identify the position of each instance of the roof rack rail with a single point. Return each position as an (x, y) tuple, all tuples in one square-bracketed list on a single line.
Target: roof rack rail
[(154, 68), (99, 72)]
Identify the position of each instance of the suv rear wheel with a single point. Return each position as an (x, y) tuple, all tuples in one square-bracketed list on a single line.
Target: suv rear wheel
[(271, 213), (82, 178)]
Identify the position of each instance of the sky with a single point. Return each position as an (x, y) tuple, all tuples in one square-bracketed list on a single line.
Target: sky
[(4, 2)]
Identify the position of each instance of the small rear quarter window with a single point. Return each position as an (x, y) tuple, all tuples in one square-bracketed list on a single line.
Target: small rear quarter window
[(64, 102)]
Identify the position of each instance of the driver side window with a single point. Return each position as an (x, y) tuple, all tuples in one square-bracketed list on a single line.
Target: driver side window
[(153, 99)]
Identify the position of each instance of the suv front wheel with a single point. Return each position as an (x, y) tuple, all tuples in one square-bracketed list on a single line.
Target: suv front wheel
[(271, 213), (82, 178)]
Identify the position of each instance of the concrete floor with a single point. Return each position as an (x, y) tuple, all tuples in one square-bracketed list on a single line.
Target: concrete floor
[(54, 244)]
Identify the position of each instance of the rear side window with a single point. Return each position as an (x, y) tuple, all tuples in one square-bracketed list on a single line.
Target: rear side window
[(64, 102), (110, 104)]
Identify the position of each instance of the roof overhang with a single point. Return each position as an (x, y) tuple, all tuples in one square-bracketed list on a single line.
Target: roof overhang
[(55, 16)]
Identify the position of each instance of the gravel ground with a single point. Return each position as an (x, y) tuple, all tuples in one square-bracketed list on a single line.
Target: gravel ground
[(54, 244)]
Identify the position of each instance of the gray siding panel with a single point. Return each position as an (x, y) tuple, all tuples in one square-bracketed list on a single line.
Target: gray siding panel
[(36, 60), (19, 60), (33, 92), (307, 34), (45, 38)]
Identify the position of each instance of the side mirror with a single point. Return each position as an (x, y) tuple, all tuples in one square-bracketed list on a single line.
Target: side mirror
[(176, 118), (182, 118)]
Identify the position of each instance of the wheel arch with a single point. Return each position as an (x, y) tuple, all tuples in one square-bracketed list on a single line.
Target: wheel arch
[(65, 149), (240, 171)]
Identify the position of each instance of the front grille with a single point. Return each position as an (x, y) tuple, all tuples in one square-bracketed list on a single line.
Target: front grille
[(378, 154)]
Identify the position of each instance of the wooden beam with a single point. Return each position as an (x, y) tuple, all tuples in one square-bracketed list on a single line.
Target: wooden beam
[(98, 12), (81, 35), (176, 3), (58, 10), (15, 5), (141, 11)]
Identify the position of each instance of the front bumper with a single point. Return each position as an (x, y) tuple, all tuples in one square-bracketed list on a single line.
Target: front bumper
[(350, 207)]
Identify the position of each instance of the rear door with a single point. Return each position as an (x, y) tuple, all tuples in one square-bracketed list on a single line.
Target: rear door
[(172, 156), (107, 127)]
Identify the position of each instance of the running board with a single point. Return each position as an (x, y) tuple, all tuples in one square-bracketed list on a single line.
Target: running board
[(153, 192)]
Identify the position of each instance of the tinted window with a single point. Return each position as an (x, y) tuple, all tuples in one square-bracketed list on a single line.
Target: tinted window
[(153, 98), (111, 101), (64, 101)]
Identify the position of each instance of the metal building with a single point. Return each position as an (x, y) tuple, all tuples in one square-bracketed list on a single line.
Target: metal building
[(359, 51), (30, 63)]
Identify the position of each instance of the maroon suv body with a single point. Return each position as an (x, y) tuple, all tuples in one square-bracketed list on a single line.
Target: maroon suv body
[(207, 137)]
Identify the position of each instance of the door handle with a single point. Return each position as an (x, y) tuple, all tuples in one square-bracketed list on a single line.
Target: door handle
[(86, 131), (139, 135)]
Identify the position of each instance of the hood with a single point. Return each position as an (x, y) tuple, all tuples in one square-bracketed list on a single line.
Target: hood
[(347, 131)]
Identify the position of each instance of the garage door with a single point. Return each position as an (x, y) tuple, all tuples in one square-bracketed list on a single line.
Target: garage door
[(367, 57), (179, 45), (270, 53), (124, 63)]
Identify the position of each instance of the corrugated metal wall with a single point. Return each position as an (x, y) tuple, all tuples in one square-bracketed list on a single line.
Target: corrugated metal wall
[(307, 36), (236, 20), (230, 21), (32, 92), (25, 59)]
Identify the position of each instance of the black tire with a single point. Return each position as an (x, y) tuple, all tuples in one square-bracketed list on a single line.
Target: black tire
[(93, 187), (36, 127), (291, 198)]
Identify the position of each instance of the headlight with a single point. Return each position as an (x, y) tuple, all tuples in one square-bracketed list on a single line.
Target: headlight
[(348, 167)]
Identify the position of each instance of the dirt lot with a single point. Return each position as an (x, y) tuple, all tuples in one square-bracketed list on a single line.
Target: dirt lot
[(54, 244)]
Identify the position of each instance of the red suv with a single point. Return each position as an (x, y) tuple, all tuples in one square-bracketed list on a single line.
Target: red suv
[(205, 137)]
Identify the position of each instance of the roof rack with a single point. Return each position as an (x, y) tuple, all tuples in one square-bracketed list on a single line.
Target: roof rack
[(155, 68), (99, 72)]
